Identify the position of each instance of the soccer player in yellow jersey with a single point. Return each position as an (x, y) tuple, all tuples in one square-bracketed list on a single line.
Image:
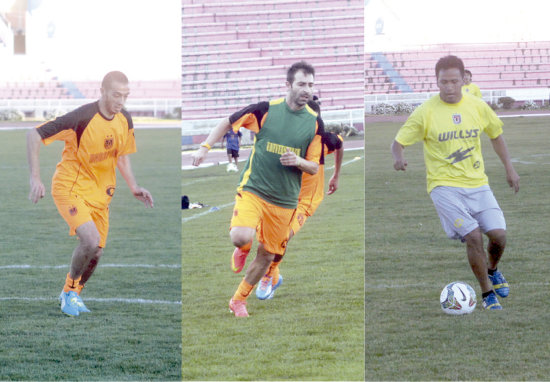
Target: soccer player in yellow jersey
[(469, 87), (98, 138), (450, 125)]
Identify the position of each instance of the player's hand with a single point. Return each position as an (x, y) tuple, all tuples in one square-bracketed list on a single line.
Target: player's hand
[(512, 178), (290, 158), (199, 155), (332, 185), (37, 191), (400, 165), (144, 196)]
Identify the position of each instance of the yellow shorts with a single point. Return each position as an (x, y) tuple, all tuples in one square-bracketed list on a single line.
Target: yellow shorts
[(76, 212), (272, 223), (299, 219)]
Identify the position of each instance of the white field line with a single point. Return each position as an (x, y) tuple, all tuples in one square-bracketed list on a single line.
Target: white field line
[(214, 209), (149, 266), (426, 285), (121, 300)]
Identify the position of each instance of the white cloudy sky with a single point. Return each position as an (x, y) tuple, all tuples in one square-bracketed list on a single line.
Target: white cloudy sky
[(84, 39), (408, 22)]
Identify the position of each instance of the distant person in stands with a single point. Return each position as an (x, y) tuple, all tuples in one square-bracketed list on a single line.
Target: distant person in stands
[(233, 145), (469, 87), (98, 137)]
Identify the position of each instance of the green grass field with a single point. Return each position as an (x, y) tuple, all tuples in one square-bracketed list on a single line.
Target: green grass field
[(313, 329), (409, 260), (128, 336)]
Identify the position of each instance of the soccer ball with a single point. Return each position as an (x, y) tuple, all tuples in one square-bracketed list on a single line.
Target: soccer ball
[(458, 298)]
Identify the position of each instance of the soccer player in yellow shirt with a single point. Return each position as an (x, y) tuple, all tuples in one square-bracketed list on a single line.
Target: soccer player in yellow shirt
[(450, 125), (469, 87), (98, 138)]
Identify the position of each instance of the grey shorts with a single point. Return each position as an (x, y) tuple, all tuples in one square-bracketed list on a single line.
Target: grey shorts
[(462, 210)]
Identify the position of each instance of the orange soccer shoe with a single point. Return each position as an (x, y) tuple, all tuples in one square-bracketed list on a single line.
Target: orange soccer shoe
[(238, 307)]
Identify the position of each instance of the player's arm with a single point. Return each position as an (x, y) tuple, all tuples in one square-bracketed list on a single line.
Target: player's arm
[(215, 135), (140, 193), (499, 145), (37, 189), (399, 161), (333, 182), (291, 159)]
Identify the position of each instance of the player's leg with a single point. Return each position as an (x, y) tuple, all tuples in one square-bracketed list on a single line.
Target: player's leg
[(77, 214), (478, 263), (492, 222), (495, 249), (453, 208), (478, 259), (272, 234), (246, 217), (229, 155), (273, 279)]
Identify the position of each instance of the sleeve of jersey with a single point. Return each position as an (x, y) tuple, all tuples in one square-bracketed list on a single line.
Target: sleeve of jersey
[(413, 130), (315, 149), (130, 146), (251, 117), (60, 129), (494, 124)]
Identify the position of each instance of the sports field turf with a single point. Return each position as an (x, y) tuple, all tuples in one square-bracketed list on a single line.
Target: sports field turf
[(409, 260), (313, 329), (134, 330)]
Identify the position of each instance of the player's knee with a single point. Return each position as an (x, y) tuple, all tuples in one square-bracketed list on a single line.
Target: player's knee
[(474, 239), (497, 237), (240, 237), (89, 241)]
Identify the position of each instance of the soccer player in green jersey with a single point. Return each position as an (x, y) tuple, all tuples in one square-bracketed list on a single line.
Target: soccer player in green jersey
[(287, 143), (450, 125), (469, 87)]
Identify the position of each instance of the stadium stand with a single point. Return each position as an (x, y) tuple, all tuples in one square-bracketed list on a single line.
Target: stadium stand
[(494, 66), (237, 53)]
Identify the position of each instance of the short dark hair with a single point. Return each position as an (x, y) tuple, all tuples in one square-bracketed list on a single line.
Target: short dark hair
[(303, 66), (315, 106), (332, 141), (449, 62), (468, 72), (114, 76)]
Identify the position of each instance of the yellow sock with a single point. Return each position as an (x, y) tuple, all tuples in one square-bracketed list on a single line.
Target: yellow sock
[(79, 288), (71, 284), (273, 271), (275, 274), (243, 291)]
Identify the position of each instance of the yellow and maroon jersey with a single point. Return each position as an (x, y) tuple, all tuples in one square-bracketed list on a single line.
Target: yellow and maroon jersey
[(312, 192), (93, 144)]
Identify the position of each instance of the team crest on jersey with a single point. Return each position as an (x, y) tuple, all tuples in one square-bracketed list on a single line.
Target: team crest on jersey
[(110, 190), (457, 118), (73, 210), (109, 140)]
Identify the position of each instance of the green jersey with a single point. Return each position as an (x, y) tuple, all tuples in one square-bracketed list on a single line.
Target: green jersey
[(278, 128)]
